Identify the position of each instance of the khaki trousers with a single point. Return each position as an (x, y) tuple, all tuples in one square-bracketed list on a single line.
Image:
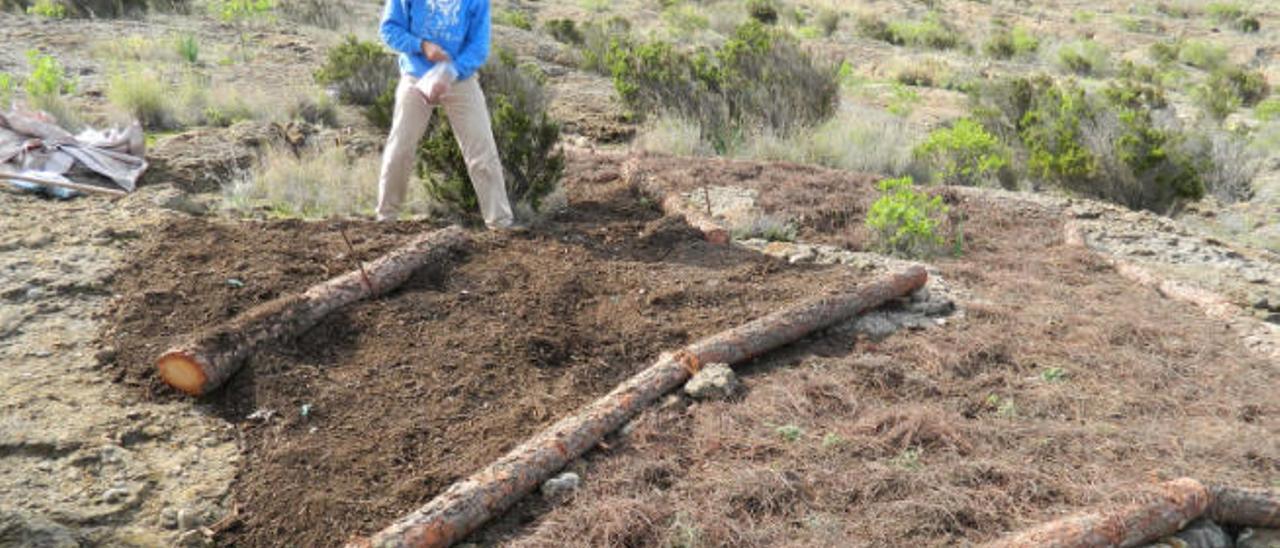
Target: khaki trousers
[(469, 117)]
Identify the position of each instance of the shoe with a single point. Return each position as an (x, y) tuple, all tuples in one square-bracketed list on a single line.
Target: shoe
[(514, 227)]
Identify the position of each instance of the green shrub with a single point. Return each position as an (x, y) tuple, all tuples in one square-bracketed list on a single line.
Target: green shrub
[(364, 74), (930, 32), (764, 11), (241, 11), (1084, 57), (829, 21), (684, 19), (759, 79), (565, 31), (1230, 88), (188, 48), (526, 136), (513, 18), (963, 154), (601, 38), (8, 84), (1267, 111), (48, 9), (905, 222), (1203, 55), (1224, 12), (143, 95), (1106, 145), (1248, 24), (1008, 43), (1166, 52)]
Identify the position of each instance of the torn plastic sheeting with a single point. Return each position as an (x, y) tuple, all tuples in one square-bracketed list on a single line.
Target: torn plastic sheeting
[(36, 148)]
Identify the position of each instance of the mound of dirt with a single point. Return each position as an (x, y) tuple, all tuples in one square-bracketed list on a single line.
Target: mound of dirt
[(386, 403)]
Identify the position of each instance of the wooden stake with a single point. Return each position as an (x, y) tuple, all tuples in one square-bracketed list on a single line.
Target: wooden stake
[(207, 359), (470, 503)]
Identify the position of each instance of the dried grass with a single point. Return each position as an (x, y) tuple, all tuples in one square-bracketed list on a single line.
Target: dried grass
[(901, 444)]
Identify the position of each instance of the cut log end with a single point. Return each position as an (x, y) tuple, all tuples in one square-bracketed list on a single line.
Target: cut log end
[(183, 372)]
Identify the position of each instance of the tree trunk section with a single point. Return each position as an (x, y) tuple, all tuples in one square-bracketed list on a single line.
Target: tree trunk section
[(1246, 507), (205, 360), (1180, 501), (468, 504), (673, 203)]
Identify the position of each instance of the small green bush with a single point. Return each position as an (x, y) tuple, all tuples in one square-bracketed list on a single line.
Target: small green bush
[(1008, 43), (1224, 12), (1166, 52), (1203, 55), (1230, 88), (963, 154), (527, 139), (760, 79), (764, 11), (829, 21), (1267, 111), (48, 9), (930, 32), (187, 47), (684, 19), (513, 18), (1084, 57), (363, 74), (241, 11), (565, 31), (8, 84), (1248, 24), (601, 38), (905, 222)]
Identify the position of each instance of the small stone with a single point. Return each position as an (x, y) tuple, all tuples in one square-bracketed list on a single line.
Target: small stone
[(561, 485), (1262, 304), (920, 295), (1203, 533), (169, 518), (715, 381), (672, 401), (188, 520), (1259, 538), (115, 495), (876, 327)]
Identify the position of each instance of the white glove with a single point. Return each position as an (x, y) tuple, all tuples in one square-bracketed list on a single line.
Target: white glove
[(436, 82)]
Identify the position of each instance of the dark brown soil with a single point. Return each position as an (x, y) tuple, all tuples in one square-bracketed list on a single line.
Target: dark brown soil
[(1063, 385), (406, 394)]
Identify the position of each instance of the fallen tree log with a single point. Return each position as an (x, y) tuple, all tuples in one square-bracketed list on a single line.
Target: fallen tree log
[(1180, 501), (673, 203), (207, 359), (1245, 507), (468, 504)]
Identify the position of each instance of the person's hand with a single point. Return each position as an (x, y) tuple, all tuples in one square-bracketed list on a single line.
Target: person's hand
[(434, 53)]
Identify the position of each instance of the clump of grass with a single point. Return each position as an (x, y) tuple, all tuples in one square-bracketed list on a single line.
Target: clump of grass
[(47, 87), (315, 184), (1224, 12), (325, 14), (766, 227), (565, 31), (684, 20), (48, 9), (8, 84), (362, 73), (930, 32), (1007, 43), (1202, 55), (187, 47), (144, 95), (861, 139), (1229, 88), (1267, 111), (1083, 57), (513, 18), (764, 11)]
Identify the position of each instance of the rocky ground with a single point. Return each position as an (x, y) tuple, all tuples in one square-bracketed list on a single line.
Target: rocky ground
[(83, 460)]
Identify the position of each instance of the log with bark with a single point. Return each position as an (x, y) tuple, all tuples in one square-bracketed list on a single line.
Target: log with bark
[(1245, 507), (674, 203), (468, 504), (1180, 501), (207, 359)]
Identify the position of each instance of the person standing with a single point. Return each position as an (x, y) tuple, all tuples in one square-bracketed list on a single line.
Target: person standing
[(445, 42)]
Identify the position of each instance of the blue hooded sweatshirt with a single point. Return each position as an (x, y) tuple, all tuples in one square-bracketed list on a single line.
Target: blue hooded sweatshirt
[(461, 27)]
